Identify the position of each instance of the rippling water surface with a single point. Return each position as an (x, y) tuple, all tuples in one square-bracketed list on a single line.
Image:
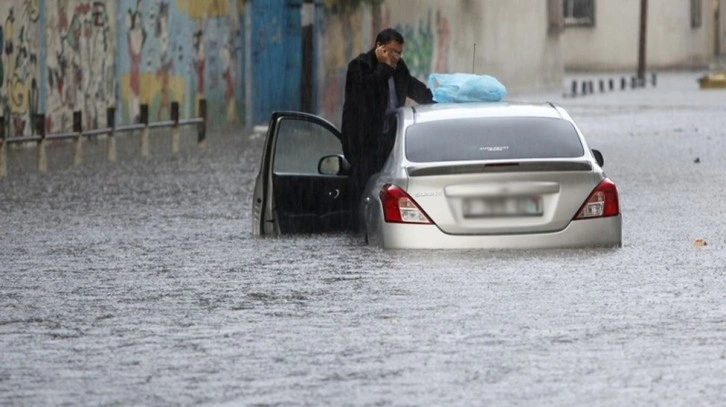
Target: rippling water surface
[(139, 283)]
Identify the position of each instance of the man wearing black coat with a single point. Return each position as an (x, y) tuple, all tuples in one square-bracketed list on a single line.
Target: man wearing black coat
[(376, 84)]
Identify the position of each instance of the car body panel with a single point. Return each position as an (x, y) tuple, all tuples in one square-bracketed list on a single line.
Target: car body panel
[(445, 111), (578, 234), (445, 199)]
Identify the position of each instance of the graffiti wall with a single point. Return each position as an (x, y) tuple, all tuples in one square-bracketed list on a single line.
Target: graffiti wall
[(80, 62), (427, 44), (511, 41), (179, 51), (58, 57), (345, 35), (21, 41)]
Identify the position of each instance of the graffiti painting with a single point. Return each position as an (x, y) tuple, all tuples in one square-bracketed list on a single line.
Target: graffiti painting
[(80, 63), (178, 51), (19, 65), (58, 57)]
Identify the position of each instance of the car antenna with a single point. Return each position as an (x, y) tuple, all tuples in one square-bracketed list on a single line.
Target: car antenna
[(473, 59)]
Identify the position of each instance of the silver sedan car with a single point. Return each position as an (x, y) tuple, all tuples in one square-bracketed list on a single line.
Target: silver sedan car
[(474, 175)]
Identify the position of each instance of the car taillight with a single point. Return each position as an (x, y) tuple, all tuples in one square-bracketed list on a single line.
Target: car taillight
[(602, 202), (399, 207)]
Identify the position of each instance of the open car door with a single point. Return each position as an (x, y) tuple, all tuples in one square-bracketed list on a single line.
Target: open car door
[(303, 182)]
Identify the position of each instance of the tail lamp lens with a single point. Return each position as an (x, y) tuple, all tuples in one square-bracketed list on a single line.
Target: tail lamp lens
[(602, 202), (399, 207)]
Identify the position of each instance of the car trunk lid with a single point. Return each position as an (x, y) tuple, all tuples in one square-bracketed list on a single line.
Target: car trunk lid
[(502, 197)]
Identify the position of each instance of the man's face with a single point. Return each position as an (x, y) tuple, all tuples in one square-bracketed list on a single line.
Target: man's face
[(395, 50)]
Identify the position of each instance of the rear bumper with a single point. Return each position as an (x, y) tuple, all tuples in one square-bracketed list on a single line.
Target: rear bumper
[(603, 232)]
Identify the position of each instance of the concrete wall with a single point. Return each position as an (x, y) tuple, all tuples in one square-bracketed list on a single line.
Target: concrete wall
[(612, 43), (61, 56), (340, 37), (182, 51), (511, 39), (22, 51), (512, 43), (80, 62)]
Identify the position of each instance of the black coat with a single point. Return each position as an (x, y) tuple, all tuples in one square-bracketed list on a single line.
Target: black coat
[(366, 99)]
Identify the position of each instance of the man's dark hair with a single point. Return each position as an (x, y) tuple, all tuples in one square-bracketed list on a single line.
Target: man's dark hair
[(388, 35)]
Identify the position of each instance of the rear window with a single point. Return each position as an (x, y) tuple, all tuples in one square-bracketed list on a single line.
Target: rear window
[(492, 139)]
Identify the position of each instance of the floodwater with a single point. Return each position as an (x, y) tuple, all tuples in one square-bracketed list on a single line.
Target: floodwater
[(140, 283)]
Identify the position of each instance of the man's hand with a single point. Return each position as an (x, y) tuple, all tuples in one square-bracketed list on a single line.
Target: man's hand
[(384, 56)]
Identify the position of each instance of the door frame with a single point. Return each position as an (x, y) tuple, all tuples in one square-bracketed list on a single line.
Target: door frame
[(264, 191)]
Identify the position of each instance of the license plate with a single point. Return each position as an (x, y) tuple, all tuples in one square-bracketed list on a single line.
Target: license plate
[(502, 207)]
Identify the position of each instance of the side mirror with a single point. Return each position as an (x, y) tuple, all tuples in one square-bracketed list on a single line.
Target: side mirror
[(598, 157), (333, 165)]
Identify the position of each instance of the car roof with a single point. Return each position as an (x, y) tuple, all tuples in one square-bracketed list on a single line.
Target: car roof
[(445, 111)]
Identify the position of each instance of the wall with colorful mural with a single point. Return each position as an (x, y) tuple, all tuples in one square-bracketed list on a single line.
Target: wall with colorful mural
[(340, 38), (182, 51), (62, 56), (58, 57), (21, 46), (80, 62), (343, 35)]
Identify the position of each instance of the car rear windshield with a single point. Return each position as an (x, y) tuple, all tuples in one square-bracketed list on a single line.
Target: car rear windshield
[(492, 139)]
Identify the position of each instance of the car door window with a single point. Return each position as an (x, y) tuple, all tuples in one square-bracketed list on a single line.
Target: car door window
[(302, 199), (300, 146)]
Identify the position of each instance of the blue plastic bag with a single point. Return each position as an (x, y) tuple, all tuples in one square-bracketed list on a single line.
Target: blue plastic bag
[(465, 87)]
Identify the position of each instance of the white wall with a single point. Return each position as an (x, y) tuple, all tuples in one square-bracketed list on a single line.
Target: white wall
[(511, 36), (512, 43), (612, 43)]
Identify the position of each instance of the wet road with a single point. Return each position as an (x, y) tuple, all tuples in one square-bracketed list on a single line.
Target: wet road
[(139, 283)]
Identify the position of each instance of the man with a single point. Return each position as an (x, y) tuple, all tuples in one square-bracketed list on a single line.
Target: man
[(376, 84)]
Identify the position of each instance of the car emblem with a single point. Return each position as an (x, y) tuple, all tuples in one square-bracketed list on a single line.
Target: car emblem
[(494, 149), (427, 194)]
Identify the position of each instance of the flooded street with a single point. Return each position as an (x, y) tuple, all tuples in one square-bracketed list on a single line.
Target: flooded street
[(140, 283)]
